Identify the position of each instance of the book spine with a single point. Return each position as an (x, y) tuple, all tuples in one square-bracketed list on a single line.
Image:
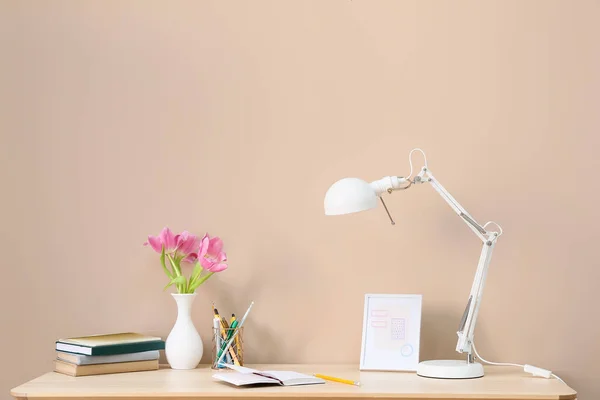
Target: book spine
[(79, 359), (113, 349), (127, 348)]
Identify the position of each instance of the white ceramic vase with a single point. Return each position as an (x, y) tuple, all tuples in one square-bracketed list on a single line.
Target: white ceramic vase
[(184, 347)]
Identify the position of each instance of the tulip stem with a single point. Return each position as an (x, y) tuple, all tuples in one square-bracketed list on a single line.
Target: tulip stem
[(175, 266), (180, 287)]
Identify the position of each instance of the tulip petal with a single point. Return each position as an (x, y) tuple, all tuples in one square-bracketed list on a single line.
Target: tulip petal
[(206, 264), (180, 242), (190, 245), (182, 238), (155, 243), (203, 246), (191, 258), (168, 239), (215, 246), (218, 267), (196, 243)]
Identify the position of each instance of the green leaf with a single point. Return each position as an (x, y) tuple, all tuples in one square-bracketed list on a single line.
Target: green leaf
[(196, 273), (178, 280), (199, 282), (162, 262)]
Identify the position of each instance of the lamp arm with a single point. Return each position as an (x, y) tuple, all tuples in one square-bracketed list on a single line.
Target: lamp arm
[(466, 328), (426, 176)]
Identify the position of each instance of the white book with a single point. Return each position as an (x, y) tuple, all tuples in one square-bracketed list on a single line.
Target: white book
[(80, 359), (247, 376)]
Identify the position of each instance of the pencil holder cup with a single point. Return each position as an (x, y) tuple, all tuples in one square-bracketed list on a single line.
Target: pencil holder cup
[(235, 353)]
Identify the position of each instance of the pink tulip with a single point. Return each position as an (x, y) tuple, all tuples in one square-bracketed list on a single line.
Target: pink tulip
[(188, 246), (184, 245), (166, 239), (211, 255)]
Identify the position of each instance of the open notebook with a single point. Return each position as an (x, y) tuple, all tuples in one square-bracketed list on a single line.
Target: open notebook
[(248, 376)]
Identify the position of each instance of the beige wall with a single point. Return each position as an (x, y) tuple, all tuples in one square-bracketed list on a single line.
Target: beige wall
[(118, 118)]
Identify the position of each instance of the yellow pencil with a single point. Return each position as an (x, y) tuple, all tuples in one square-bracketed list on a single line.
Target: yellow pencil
[(340, 380), (222, 324), (238, 348)]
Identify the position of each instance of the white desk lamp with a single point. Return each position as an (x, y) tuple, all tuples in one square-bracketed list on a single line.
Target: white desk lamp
[(351, 195)]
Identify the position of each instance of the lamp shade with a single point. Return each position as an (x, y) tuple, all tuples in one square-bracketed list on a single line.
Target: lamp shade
[(349, 195)]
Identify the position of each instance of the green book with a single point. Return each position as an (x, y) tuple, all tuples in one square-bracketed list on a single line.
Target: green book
[(106, 345)]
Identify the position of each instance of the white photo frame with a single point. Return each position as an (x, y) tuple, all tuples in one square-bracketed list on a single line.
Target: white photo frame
[(391, 332)]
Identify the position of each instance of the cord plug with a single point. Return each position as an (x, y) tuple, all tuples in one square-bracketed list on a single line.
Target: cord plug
[(537, 371)]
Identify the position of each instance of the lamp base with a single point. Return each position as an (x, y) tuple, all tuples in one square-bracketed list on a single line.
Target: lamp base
[(449, 369)]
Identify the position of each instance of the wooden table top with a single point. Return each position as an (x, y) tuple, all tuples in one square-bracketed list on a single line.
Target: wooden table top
[(498, 383)]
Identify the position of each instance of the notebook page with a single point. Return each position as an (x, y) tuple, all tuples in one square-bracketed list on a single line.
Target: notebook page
[(243, 370), (241, 379), (291, 378)]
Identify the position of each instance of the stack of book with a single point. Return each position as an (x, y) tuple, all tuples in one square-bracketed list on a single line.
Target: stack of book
[(107, 354)]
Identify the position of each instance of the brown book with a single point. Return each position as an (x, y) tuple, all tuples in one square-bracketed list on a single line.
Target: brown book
[(99, 369)]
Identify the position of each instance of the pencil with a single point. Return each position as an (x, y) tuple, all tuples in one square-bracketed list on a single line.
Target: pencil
[(340, 380), (222, 324), (238, 347), (228, 345)]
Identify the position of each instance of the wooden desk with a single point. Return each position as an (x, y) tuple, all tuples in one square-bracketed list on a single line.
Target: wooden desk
[(499, 383)]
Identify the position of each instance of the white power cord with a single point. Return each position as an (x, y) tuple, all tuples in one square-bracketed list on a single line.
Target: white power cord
[(410, 160), (497, 225), (536, 371)]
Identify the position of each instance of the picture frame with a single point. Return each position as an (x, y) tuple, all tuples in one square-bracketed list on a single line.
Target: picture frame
[(391, 332)]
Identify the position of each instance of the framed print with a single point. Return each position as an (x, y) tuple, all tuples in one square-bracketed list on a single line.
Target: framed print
[(391, 332)]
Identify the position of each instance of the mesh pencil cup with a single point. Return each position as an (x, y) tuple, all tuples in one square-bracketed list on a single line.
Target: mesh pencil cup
[(235, 351)]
